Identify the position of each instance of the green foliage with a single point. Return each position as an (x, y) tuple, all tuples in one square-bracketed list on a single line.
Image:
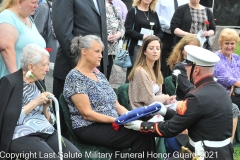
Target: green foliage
[(236, 153), (238, 49)]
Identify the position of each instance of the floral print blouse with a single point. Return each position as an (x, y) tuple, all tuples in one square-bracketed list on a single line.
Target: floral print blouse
[(114, 24), (227, 72), (101, 96)]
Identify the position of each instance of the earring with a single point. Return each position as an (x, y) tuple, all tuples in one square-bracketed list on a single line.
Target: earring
[(20, 7)]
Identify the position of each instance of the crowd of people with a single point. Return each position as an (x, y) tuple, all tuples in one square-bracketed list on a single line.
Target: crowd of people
[(83, 43)]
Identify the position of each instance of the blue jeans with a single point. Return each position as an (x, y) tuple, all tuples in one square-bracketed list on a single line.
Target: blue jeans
[(172, 145)]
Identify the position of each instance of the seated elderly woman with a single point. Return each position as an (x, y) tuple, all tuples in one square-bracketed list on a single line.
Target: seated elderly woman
[(227, 70), (93, 103), (26, 120), (146, 78)]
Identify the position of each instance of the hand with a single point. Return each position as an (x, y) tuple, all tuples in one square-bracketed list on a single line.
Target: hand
[(156, 118), (205, 34), (114, 37), (42, 98), (134, 125), (171, 99), (162, 111), (46, 105), (117, 35), (110, 38)]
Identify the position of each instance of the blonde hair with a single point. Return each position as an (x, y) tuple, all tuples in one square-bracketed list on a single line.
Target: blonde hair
[(152, 4), (176, 55), (141, 61), (228, 34), (7, 4)]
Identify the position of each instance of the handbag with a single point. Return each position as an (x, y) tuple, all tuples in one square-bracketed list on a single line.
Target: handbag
[(122, 59)]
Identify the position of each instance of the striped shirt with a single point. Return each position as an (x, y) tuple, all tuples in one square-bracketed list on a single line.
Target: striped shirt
[(34, 121)]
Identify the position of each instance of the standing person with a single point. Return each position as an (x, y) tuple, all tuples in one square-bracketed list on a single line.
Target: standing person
[(43, 21), (93, 103), (206, 112), (115, 31), (121, 8), (141, 15), (80, 18), (165, 10), (17, 29), (145, 78), (189, 19)]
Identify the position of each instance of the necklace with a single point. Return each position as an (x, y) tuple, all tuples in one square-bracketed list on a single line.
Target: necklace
[(146, 15)]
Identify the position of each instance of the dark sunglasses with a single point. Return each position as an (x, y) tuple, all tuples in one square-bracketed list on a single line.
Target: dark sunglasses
[(187, 62)]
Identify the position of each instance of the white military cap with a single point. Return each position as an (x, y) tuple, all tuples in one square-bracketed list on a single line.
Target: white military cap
[(201, 56)]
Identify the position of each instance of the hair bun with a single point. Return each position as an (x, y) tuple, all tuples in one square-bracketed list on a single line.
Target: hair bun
[(75, 44)]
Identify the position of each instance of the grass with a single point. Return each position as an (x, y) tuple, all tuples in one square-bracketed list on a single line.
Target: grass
[(238, 49), (236, 153)]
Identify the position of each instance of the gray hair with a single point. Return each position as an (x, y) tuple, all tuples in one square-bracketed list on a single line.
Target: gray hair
[(80, 42), (32, 53)]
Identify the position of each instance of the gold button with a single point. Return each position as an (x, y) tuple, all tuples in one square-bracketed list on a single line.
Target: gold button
[(152, 127), (145, 127)]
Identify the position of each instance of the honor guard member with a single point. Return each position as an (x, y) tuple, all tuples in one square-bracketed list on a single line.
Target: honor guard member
[(206, 112)]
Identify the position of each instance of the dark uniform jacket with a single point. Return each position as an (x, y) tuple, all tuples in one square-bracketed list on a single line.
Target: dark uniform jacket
[(184, 85), (207, 114), (11, 92)]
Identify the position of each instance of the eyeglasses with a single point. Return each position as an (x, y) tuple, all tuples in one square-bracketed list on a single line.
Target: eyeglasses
[(187, 62)]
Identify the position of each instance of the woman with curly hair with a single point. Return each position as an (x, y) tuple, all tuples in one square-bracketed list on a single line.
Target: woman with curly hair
[(175, 60), (175, 57)]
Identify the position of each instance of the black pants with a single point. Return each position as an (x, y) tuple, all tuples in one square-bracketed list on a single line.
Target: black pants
[(167, 41), (43, 146), (236, 100), (104, 135), (58, 85), (109, 66)]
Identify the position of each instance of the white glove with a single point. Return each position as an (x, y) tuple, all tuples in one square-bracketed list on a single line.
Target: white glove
[(134, 125), (162, 111), (156, 118)]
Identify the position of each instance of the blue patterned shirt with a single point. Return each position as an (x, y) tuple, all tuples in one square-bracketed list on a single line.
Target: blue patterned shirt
[(227, 72), (101, 96), (34, 121)]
